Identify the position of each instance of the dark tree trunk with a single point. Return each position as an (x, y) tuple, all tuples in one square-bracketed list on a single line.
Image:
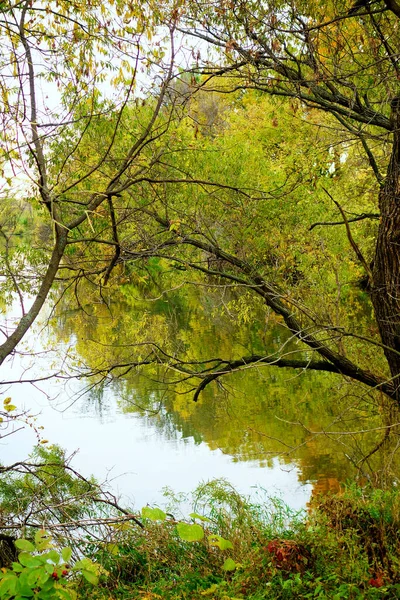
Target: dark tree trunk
[(386, 274), (8, 551), (47, 282)]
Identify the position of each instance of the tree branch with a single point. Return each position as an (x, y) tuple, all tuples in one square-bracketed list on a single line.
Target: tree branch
[(264, 360), (117, 251), (353, 244), (394, 7), (352, 220), (280, 305)]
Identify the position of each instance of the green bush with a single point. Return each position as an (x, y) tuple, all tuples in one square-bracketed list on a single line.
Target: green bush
[(43, 573), (345, 547)]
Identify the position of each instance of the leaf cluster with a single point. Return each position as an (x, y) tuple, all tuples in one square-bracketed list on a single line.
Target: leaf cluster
[(44, 573)]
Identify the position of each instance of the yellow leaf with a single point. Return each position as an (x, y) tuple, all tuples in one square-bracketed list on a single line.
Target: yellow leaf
[(175, 225), (210, 590), (112, 549), (7, 401)]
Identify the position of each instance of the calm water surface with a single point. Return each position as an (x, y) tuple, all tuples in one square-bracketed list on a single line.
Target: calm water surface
[(140, 437)]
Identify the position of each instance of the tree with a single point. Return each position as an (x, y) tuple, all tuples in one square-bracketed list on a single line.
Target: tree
[(342, 61), (65, 67), (56, 59), (238, 229), (168, 187)]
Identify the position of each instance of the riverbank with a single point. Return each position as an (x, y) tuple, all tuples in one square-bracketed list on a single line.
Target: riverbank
[(345, 546)]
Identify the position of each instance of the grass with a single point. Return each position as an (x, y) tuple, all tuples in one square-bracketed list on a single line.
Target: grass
[(344, 546)]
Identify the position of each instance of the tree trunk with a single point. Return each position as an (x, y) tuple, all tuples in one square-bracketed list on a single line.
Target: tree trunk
[(386, 273), (28, 319)]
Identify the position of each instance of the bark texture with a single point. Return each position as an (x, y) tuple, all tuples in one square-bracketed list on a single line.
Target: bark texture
[(386, 274)]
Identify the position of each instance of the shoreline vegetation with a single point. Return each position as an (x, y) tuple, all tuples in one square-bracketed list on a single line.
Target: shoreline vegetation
[(344, 546)]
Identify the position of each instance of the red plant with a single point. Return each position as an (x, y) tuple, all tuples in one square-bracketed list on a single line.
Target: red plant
[(289, 555), (377, 581), (272, 546)]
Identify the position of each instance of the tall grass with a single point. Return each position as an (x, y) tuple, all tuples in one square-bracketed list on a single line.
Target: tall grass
[(344, 546)]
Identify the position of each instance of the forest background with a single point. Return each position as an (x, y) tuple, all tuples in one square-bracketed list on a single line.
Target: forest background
[(238, 153)]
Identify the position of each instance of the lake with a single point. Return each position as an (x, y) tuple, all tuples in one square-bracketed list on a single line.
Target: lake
[(141, 432)]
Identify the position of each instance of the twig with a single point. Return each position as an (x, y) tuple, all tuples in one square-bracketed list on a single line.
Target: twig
[(351, 239), (352, 220)]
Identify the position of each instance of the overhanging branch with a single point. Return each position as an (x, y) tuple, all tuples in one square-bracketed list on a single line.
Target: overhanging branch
[(290, 363), (280, 305), (352, 220)]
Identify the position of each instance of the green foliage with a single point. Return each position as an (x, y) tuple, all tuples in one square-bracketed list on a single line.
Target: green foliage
[(47, 489), (154, 514), (277, 157), (47, 481), (195, 324), (218, 541), (229, 565), (43, 572), (190, 533), (346, 547)]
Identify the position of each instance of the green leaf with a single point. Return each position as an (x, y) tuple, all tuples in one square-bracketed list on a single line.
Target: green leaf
[(229, 565), (8, 585), (25, 592), (200, 517), (211, 590), (53, 556), (40, 535), (112, 549), (17, 567), (90, 577), (225, 544), (34, 577), (42, 540), (66, 554), (154, 514), (220, 542), (25, 545), (48, 586), (49, 568), (27, 560), (43, 576), (64, 593), (190, 533), (85, 563)]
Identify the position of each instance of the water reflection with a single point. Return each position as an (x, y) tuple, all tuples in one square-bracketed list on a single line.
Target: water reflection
[(137, 457), (136, 451), (258, 416)]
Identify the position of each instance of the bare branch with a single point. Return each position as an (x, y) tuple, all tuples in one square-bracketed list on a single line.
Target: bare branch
[(281, 362), (352, 220), (351, 239)]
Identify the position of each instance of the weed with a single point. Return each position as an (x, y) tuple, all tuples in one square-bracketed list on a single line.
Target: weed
[(346, 547)]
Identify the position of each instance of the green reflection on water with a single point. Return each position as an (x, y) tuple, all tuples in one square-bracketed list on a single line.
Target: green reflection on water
[(252, 415)]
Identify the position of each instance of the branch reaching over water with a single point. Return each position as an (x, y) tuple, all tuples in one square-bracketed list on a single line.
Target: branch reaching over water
[(290, 363)]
